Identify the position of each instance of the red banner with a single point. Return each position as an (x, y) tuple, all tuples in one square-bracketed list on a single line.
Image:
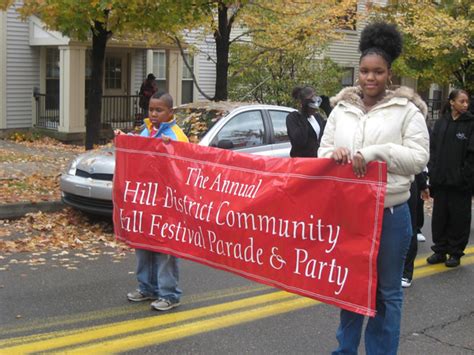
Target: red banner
[(308, 226)]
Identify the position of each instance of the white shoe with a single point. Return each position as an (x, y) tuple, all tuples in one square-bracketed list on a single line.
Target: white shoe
[(138, 296), (406, 282), (420, 237), (162, 304)]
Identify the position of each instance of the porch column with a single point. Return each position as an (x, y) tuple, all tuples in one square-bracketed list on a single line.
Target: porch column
[(174, 75), (72, 76), (149, 62)]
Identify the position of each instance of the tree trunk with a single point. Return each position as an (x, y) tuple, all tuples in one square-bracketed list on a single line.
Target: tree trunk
[(94, 106), (222, 38), (469, 78)]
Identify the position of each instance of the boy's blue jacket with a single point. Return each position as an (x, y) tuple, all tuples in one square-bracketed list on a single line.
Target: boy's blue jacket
[(169, 129)]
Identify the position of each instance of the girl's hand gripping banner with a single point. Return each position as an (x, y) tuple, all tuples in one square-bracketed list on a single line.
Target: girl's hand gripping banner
[(308, 226)]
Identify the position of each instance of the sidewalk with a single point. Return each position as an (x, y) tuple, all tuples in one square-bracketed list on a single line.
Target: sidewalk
[(29, 176)]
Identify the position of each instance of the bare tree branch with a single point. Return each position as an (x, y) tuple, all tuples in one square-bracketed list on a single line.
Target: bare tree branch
[(183, 55), (249, 63), (244, 34)]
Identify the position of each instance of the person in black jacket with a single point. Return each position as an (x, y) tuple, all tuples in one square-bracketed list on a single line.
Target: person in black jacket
[(419, 193), (451, 178), (147, 90), (305, 127)]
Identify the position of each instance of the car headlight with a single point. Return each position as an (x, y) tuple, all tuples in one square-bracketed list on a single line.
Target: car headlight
[(71, 169)]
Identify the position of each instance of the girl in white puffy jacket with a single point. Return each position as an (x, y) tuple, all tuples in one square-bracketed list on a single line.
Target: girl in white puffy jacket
[(368, 123)]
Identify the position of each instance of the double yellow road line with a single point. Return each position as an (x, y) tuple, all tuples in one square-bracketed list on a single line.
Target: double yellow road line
[(143, 332)]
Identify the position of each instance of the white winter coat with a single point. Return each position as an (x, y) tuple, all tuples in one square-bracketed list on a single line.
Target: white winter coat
[(393, 131)]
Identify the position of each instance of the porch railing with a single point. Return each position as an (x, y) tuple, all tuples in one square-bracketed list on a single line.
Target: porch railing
[(124, 112), (47, 111), (121, 111), (434, 111)]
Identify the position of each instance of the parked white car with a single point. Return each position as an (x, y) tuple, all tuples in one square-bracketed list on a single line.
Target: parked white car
[(247, 128)]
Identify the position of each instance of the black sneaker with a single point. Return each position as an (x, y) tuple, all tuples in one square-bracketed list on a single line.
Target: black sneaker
[(453, 261), (436, 258)]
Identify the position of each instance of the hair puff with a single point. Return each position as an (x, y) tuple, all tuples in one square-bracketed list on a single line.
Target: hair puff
[(302, 92), (382, 36), (296, 92)]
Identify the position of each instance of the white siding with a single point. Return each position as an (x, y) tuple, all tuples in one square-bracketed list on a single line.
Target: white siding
[(207, 67), (139, 60), (345, 52), (3, 69), (205, 71), (23, 72), (207, 59)]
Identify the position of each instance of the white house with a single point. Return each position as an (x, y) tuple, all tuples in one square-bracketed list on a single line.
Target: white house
[(44, 76), (345, 53)]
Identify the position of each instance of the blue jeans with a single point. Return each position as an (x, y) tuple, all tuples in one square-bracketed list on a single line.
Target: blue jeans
[(383, 331), (158, 275)]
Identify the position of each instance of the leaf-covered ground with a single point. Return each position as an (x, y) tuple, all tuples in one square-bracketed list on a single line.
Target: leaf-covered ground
[(33, 188), (51, 237), (30, 171)]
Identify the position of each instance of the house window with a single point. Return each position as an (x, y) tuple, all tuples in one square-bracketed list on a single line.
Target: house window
[(348, 77), (159, 69), (187, 86), (52, 78), (113, 73)]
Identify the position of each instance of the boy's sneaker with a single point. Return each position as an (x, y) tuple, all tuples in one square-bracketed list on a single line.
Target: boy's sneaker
[(137, 296), (162, 304), (406, 282), (436, 258), (420, 237)]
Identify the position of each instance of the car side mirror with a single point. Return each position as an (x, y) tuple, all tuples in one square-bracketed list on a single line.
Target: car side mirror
[(225, 144)]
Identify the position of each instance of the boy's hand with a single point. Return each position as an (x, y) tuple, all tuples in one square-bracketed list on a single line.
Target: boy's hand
[(118, 132), (165, 139)]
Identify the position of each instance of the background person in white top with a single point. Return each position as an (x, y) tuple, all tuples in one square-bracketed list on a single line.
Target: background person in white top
[(305, 126)]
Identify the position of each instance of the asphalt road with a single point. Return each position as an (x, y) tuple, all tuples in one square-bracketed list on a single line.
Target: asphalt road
[(81, 307)]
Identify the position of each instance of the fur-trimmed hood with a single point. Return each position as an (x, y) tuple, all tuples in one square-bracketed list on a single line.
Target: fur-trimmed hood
[(353, 95)]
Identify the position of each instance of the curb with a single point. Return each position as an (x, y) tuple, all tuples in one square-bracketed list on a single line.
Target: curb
[(18, 210)]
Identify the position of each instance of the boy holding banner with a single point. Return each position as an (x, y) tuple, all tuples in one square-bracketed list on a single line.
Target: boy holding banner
[(158, 273)]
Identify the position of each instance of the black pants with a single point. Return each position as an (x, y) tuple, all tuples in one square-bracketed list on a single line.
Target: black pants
[(451, 222), (420, 214), (414, 205)]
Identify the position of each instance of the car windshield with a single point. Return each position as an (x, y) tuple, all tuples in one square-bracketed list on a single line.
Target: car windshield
[(195, 122)]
